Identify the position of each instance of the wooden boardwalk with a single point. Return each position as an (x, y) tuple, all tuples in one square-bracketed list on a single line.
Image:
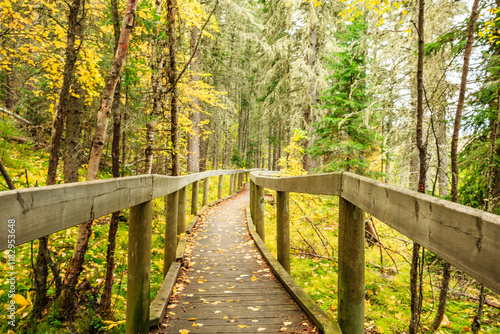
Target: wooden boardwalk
[(228, 287)]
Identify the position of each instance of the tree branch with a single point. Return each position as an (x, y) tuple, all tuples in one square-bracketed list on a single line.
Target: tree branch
[(196, 47), (19, 118)]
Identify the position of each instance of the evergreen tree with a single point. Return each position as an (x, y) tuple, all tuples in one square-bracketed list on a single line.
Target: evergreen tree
[(344, 138)]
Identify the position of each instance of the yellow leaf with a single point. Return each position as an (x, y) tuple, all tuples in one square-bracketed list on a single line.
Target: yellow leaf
[(20, 300), (225, 317), (445, 322), (242, 326), (192, 319), (183, 331), (253, 278)]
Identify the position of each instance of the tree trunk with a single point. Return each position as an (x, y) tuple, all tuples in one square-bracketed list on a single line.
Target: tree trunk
[(115, 160), (311, 62), (71, 55), (415, 291), (158, 59), (72, 143), (172, 78), (68, 298), (461, 99), (9, 88), (443, 154), (193, 137), (454, 155)]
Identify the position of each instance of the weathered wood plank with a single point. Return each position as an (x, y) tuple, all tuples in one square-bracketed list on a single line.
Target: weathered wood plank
[(206, 185), (181, 247), (319, 317), (351, 268), (259, 212), (195, 190), (159, 305), (321, 184), (219, 187), (465, 237), (171, 221), (283, 229), (181, 211), (45, 210), (139, 268)]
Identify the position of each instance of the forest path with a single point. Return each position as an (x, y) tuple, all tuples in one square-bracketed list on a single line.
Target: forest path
[(227, 287)]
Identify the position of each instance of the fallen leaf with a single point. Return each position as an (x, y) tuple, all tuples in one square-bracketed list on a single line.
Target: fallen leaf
[(287, 323), (225, 317), (261, 329), (242, 326), (445, 322), (253, 279), (183, 331), (192, 319)]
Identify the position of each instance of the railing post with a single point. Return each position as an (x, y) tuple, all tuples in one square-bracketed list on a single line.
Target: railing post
[(139, 268), (351, 268), (252, 200), (194, 197), (171, 221), (231, 184), (283, 229), (181, 221), (240, 181), (206, 184), (220, 185), (259, 212)]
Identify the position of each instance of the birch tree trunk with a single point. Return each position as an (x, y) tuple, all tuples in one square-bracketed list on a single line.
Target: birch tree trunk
[(115, 160), (68, 299)]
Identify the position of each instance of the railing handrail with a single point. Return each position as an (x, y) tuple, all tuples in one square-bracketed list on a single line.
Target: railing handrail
[(45, 210), (465, 237)]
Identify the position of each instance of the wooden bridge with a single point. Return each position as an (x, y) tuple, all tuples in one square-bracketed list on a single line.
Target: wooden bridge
[(465, 237)]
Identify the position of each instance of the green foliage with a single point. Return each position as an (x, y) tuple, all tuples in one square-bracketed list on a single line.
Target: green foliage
[(344, 138)]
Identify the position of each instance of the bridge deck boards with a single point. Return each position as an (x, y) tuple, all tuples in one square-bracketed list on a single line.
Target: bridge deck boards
[(228, 287)]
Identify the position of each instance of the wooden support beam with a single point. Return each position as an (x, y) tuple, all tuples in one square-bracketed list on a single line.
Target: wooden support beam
[(181, 220), (139, 268), (171, 221), (194, 197), (259, 221), (283, 229), (220, 186), (231, 184), (252, 200), (206, 185), (351, 268)]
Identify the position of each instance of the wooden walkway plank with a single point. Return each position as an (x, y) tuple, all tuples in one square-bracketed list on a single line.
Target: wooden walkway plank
[(227, 286)]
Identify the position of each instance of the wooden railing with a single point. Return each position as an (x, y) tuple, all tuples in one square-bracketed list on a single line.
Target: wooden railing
[(37, 212), (465, 237)]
